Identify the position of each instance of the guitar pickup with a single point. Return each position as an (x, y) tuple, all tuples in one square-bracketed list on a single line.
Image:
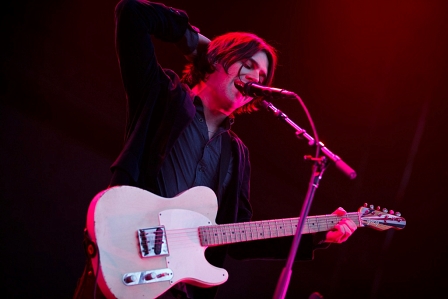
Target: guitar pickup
[(152, 241)]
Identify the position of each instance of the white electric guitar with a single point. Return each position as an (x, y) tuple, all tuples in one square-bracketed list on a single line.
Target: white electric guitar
[(145, 243)]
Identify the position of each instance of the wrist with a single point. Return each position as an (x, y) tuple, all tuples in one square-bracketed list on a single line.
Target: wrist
[(189, 41)]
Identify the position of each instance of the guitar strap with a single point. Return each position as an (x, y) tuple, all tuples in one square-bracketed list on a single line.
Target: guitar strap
[(226, 152)]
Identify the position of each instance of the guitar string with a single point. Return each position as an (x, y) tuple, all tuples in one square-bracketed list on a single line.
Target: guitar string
[(251, 230), (231, 236), (267, 224), (248, 231), (231, 233)]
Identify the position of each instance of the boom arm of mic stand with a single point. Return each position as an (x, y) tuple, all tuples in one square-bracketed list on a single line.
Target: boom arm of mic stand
[(338, 162)]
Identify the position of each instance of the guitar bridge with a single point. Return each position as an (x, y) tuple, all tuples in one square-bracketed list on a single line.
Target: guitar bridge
[(152, 241)]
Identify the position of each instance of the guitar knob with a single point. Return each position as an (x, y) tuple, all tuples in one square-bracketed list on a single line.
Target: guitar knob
[(398, 214), (391, 212), (129, 279), (150, 276), (372, 207), (378, 208), (162, 275), (385, 210), (366, 205)]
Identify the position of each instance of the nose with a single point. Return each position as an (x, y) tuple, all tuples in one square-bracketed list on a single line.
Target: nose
[(252, 76)]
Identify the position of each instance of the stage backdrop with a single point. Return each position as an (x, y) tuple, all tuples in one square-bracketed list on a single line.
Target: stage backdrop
[(373, 75)]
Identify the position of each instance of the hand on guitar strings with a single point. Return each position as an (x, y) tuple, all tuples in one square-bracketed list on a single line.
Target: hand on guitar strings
[(341, 231)]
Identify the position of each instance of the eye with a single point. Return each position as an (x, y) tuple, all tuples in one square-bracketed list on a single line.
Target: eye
[(248, 64)]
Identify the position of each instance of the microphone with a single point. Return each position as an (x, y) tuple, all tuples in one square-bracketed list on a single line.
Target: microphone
[(253, 89)]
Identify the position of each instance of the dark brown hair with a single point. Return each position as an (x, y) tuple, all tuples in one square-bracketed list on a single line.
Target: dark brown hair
[(227, 49)]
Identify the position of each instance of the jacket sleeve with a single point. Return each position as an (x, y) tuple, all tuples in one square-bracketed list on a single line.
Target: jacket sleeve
[(137, 21)]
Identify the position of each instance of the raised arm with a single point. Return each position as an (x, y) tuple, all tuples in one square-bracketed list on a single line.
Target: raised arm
[(136, 22)]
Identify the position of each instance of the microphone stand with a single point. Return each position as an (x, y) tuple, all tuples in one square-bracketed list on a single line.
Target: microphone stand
[(319, 166)]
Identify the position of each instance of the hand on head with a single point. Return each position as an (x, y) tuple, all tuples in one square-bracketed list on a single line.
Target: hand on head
[(201, 49)]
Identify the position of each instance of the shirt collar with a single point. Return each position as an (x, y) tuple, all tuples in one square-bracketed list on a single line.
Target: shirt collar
[(226, 124)]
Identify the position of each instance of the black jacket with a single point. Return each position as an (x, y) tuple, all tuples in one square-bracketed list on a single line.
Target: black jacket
[(159, 109)]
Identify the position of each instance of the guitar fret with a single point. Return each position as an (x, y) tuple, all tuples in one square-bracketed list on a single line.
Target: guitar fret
[(263, 233), (253, 227), (286, 224), (293, 227), (236, 234), (259, 230), (266, 229), (246, 232), (251, 233), (312, 225), (282, 228), (225, 235), (269, 230), (219, 235), (212, 236), (232, 234), (215, 235)]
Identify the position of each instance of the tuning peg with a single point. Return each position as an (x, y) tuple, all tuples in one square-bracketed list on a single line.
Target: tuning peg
[(391, 212), (398, 214), (385, 210)]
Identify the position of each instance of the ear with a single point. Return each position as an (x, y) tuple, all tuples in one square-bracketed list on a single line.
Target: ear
[(213, 66)]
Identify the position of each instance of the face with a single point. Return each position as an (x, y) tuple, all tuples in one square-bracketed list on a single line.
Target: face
[(226, 98)]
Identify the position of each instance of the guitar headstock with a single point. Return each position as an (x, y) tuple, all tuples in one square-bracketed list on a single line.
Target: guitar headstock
[(380, 219)]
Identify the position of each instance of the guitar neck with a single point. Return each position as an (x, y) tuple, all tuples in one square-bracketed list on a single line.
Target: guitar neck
[(215, 235)]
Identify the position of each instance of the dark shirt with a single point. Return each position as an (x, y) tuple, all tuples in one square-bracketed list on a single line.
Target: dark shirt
[(194, 158), (161, 108), (193, 161)]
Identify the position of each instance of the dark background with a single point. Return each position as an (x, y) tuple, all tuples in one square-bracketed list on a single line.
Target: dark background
[(372, 74)]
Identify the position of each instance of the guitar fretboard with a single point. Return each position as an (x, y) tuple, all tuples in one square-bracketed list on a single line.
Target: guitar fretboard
[(266, 229)]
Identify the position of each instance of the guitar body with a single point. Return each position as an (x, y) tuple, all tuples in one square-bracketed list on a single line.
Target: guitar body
[(114, 220)]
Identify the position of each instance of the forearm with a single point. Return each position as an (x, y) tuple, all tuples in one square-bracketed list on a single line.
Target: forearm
[(136, 23), (150, 18)]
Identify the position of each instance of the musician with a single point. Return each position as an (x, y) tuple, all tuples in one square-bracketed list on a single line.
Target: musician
[(178, 130)]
